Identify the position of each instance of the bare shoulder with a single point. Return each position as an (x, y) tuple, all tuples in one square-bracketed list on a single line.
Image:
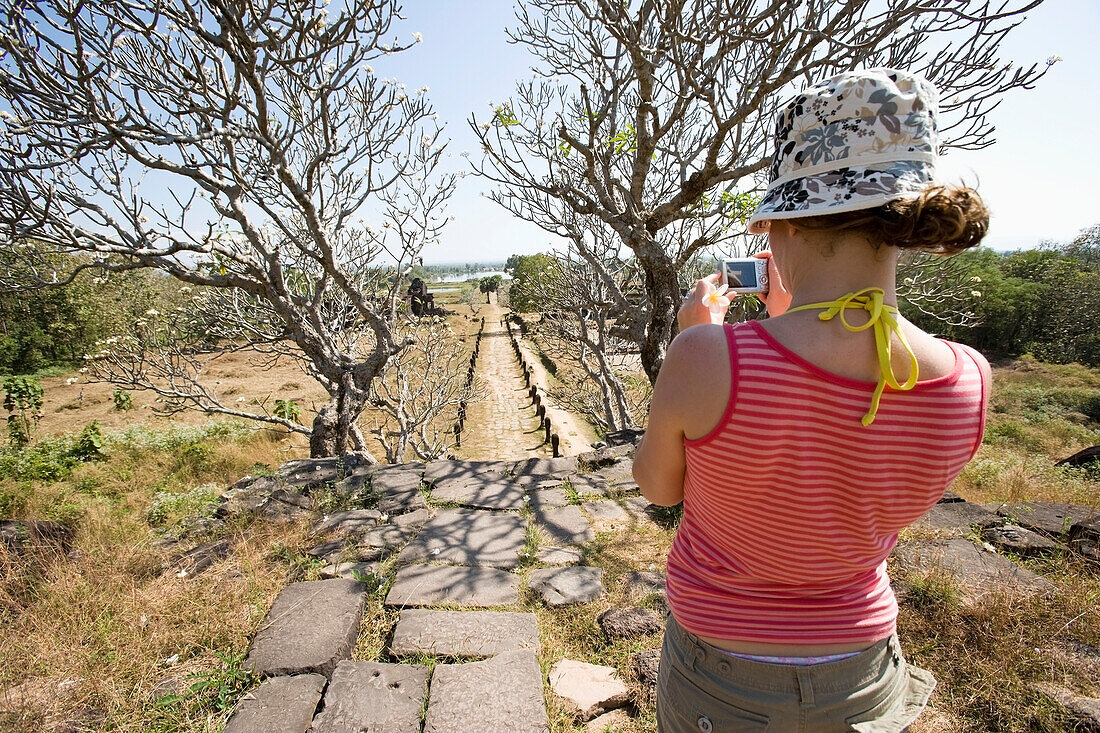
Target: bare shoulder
[(696, 374), (934, 357)]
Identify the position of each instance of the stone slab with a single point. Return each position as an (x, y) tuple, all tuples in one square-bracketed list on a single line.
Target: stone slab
[(408, 500), (428, 585), (464, 633), (977, 572), (563, 466), (446, 469), (605, 510), (469, 537), (560, 556), (1050, 518), (310, 627), (1086, 710), (1019, 540), (645, 665), (351, 522), (396, 481), (589, 689), (565, 525), (503, 693), (614, 721), (548, 498), (284, 704), (569, 585), (372, 696), (480, 493), (957, 518), (349, 570)]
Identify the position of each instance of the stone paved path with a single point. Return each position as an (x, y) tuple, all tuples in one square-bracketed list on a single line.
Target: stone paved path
[(463, 549), (503, 425)]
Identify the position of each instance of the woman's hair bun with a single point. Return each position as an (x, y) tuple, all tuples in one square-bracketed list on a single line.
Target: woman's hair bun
[(943, 219)]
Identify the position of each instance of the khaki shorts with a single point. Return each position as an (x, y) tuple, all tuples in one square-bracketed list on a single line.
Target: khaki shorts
[(702, 688)]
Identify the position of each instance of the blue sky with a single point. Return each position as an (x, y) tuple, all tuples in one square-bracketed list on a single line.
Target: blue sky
[(1041, 179)]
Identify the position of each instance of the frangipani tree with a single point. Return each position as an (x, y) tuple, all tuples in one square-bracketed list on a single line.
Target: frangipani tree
[(654, 117), (244, 146)]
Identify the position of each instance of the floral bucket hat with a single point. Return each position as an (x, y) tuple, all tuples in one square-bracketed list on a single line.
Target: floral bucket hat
[(854, 141)]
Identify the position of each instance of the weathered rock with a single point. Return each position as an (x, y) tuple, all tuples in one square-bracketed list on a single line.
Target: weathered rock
[(610, 722), (1052, 519), (1082, 457), (607, 511), (196, 560), (559, 556), (310, 627), (455, 469), (396, 502), (310, 473), (503, 693), (568, 585), (547, 498), (464, 633), (396, 480), (371, 696), (479, 493), (629, 623), (284, 704), (468, 537), (641, 583), (352, 570), (427, 585), (619, 476), (1084, 538), (589, 689), (332, 550), (957, 518), (645, 664), (565, 525), (605, 456), (35, 535), (564, 466), (639, 508), (1086, 710), (950, 497), (1018, 540), (346, 523), (978, 573), (590, 484), (1077, 655)]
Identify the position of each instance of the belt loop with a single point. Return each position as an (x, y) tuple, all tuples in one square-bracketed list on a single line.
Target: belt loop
[(805, 687)]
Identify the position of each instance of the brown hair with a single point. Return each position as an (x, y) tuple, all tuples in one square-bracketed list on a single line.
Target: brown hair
[(941, 220)]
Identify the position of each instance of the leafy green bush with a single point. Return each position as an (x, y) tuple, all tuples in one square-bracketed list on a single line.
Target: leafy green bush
[(23, 399), (122, 400)]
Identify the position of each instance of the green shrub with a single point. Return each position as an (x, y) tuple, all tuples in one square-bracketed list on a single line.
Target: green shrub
[(89, 444), (168, 507), (122, 400), (23, 399)]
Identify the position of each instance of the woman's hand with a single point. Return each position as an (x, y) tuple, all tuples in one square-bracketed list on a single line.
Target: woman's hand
[(777, 299), (705, 303)]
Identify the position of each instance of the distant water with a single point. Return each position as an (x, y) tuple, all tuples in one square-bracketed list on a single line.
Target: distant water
[(463, 277)]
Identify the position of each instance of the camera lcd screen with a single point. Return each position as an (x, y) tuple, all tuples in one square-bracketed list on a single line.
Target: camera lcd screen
[(741, 274)]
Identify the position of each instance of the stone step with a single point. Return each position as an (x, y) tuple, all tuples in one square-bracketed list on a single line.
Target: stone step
[(429, 585), (502, 693), (469, 537), (464, 633), (565, 525), (310, 627), (373, 696), (284, 704)]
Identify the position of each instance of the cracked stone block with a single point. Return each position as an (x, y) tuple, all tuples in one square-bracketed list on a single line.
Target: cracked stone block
[(567, 586), (502, 693), (977, 572), (284, 704), (428, 585), (607, 511), (343, 524), (565, 525), (479, 493), (372, 696), (589, 689), (463, 633), (1050, 518), (629, 623), (310, 627), (957, 518)]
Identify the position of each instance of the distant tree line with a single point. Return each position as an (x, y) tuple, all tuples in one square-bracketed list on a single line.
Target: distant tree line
[(1044, 302)]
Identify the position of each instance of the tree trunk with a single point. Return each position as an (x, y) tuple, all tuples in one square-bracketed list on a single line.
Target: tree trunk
[(663, 294)]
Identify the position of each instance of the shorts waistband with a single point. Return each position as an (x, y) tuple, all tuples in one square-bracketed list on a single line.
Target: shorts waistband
[(826, 678)]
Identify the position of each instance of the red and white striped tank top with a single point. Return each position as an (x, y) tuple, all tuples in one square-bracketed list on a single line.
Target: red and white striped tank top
[(784, 539)]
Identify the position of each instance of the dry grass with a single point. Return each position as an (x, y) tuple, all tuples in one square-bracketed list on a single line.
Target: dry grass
[(108, 630)]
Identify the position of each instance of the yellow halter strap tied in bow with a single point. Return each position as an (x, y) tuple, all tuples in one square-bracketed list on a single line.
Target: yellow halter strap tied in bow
[(883, 321)]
